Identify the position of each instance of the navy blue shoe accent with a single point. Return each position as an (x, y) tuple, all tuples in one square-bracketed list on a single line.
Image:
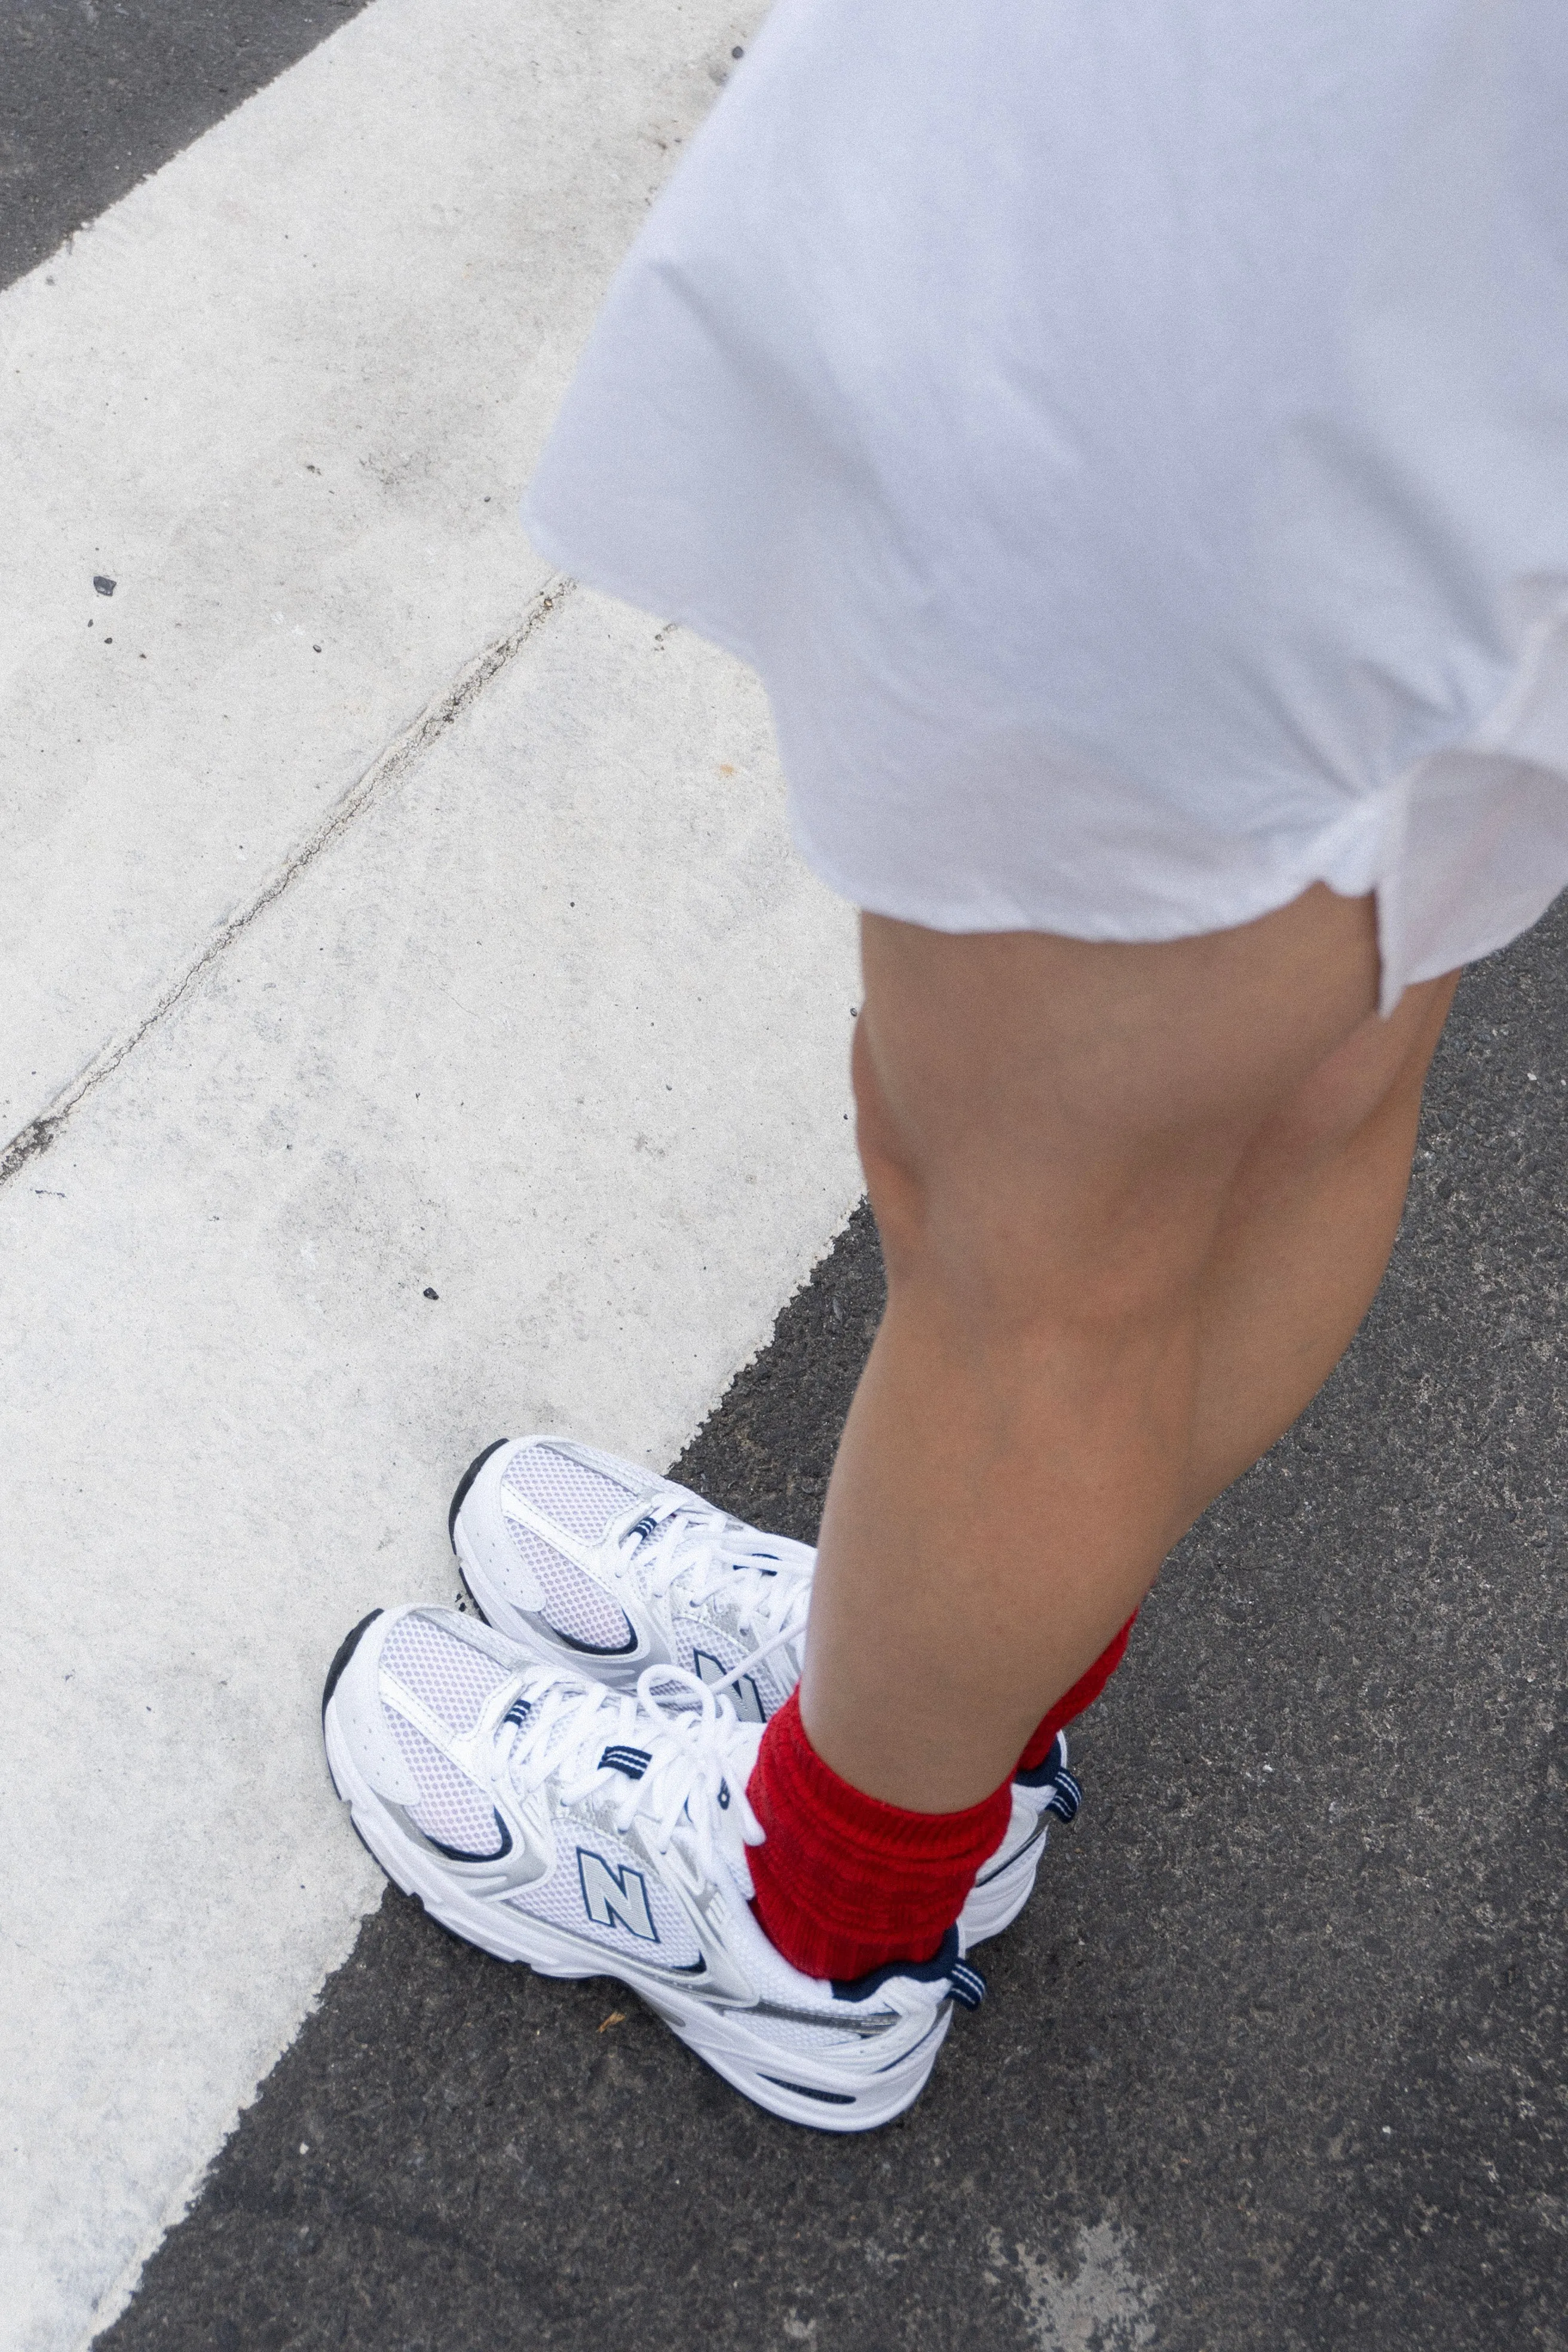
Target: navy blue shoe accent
[(460, 1853), (346, 1649), (1044, 1774), (465, 1482), (518, 1712), (968, 1984), (806, 2091), (600, 1649), (944, 1962), (633, 1761), (1067, 1790)]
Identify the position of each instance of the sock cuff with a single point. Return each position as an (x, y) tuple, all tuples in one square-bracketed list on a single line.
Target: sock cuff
[(845, 1882), (786, 1758), (1084, 1692)]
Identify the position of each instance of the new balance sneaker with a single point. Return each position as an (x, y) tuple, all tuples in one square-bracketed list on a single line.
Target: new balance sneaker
[(601, 1566), (608, 1569), (594, 1833)]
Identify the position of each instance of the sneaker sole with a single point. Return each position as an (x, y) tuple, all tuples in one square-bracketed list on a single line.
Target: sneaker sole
[(785, 2083)]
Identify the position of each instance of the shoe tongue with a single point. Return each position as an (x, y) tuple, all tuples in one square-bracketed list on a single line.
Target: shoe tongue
[(722, 1596), (728, 1812), (697, 1568)]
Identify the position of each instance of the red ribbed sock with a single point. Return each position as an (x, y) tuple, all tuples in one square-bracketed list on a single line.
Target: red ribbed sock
[(845, 1882), (1084, 1692)]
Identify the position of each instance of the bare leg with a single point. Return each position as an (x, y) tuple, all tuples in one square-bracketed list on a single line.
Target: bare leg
[(1306, 1236), (1135, 1202)]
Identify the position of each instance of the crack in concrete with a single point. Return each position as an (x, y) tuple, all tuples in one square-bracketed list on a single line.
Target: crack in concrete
[(385, 770)]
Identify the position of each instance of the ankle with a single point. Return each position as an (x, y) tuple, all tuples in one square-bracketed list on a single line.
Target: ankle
[(845, 1882)]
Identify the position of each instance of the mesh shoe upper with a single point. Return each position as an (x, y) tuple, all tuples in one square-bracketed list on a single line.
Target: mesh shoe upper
[(582, 1500), (603, 1557), (451, 1679)]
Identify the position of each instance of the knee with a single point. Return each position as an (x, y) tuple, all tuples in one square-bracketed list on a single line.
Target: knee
[(1002, 1239), (1369, 1088)]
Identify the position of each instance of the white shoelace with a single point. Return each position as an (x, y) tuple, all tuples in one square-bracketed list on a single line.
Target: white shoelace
[(694, 1778), (710, 1555)]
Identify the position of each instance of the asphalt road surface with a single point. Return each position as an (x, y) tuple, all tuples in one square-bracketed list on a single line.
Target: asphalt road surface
[(95, 94), (1275, 2058)]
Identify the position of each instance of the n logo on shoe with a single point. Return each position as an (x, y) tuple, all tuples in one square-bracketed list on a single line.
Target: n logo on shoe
[(748, 1703), (615, 1898)]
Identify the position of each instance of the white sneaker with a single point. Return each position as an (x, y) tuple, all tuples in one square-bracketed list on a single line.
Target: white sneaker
[(599, 1565), (605, 1568), (591, 1832)]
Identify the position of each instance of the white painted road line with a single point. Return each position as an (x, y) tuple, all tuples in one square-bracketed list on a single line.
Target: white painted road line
[(555, 1028), (285, 396)]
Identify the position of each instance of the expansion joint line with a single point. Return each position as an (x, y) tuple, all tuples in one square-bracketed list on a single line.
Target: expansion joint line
[(384, 770)]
